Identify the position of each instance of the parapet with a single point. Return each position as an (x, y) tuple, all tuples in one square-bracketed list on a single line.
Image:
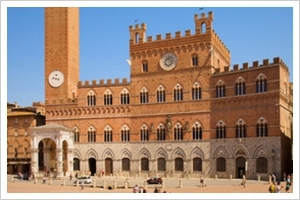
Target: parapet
[(255, 64), (102, 82)]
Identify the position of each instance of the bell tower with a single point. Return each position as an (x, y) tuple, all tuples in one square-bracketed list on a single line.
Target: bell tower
[(61, 54)]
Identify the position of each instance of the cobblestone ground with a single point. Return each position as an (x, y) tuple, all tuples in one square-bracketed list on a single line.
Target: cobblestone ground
[(189, 189)]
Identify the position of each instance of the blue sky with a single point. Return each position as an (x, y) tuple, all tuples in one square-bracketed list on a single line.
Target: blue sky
[(250, 33)]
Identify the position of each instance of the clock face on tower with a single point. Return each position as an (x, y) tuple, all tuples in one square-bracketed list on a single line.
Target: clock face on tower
[(168, 61), (56, 78)]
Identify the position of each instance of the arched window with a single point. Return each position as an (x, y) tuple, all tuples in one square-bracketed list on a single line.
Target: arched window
[(220, 89), (145, 66), (91, 99), (196, 92), (125, 97), (144, 95), (194, 60), (240, 86), (108, 98), (178, 94), (91, 134), (76, 135), (240, 129), (178, 132), (125, 164), (203, 28), (161, 94), (161, 132), (144, 133), (221, 164), (178, 164), (197, 164), (261, 128), (144, 164), (261, 165), (221, 130), (161, 164), (197, 131), (108, 134), (125, 134), (261, 84)]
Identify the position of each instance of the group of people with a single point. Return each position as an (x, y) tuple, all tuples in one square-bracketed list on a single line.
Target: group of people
[(137, 189), (276, 186)]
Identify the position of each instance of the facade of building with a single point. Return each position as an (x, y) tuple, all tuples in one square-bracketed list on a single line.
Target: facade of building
[(19, 122), (184, 111)]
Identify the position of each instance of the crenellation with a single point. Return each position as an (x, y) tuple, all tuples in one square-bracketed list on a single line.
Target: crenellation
[(124, 80), (168, 36), (236, 67), (101, 81), (117, 81), (109, 81), (79, 83), (226, 69), (94, 82), (276, 60), (177, 34), (149, 39), (266, 62), (188, 33), (245, 65), (255, 63), (158, 37), (86, 82)]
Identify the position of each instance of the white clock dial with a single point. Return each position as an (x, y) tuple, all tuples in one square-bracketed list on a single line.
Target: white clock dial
[(168, 61), (56, 78)]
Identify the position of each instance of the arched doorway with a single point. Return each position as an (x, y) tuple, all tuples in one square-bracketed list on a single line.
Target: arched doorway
[(92, 166), (240, 167), (108, 166), (76, 164)]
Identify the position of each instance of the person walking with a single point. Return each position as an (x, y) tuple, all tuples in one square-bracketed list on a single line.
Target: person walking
[(71, 176), (136, 189), (278, 187), (155, 189), (82, 185), (288, 183)]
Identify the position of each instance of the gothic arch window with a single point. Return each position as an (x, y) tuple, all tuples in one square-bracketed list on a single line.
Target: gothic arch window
[(240, 86), (178, 93), (197, 131), (144, 164), (261, 84), (145, 66), (108, 134), (125, 164), (194, 60), (161, 94), (161, 164), (220, 89), (221, 130), (125, 97), (144, 133), (91, 98), (197, 164), (91, 134), (125, 134), (144, 95), (196, 92), (76, 135), (221, 164), (108, 98), (161, 132), (178, 132), (240, 129), (178, 164), (261, 128), (261, 165)]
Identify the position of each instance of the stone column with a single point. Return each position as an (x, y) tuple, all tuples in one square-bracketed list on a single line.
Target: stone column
[(59, 162), (70, 161), (34, 161)]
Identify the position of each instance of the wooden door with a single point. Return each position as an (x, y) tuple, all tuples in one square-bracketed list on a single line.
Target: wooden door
[(108, 166)]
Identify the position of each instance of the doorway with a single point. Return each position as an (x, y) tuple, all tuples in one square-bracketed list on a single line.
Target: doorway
[(108, 166), (92, 166), (240, 167)]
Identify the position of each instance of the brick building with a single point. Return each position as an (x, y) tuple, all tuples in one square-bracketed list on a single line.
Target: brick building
[(184, 111), (19, 122)]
